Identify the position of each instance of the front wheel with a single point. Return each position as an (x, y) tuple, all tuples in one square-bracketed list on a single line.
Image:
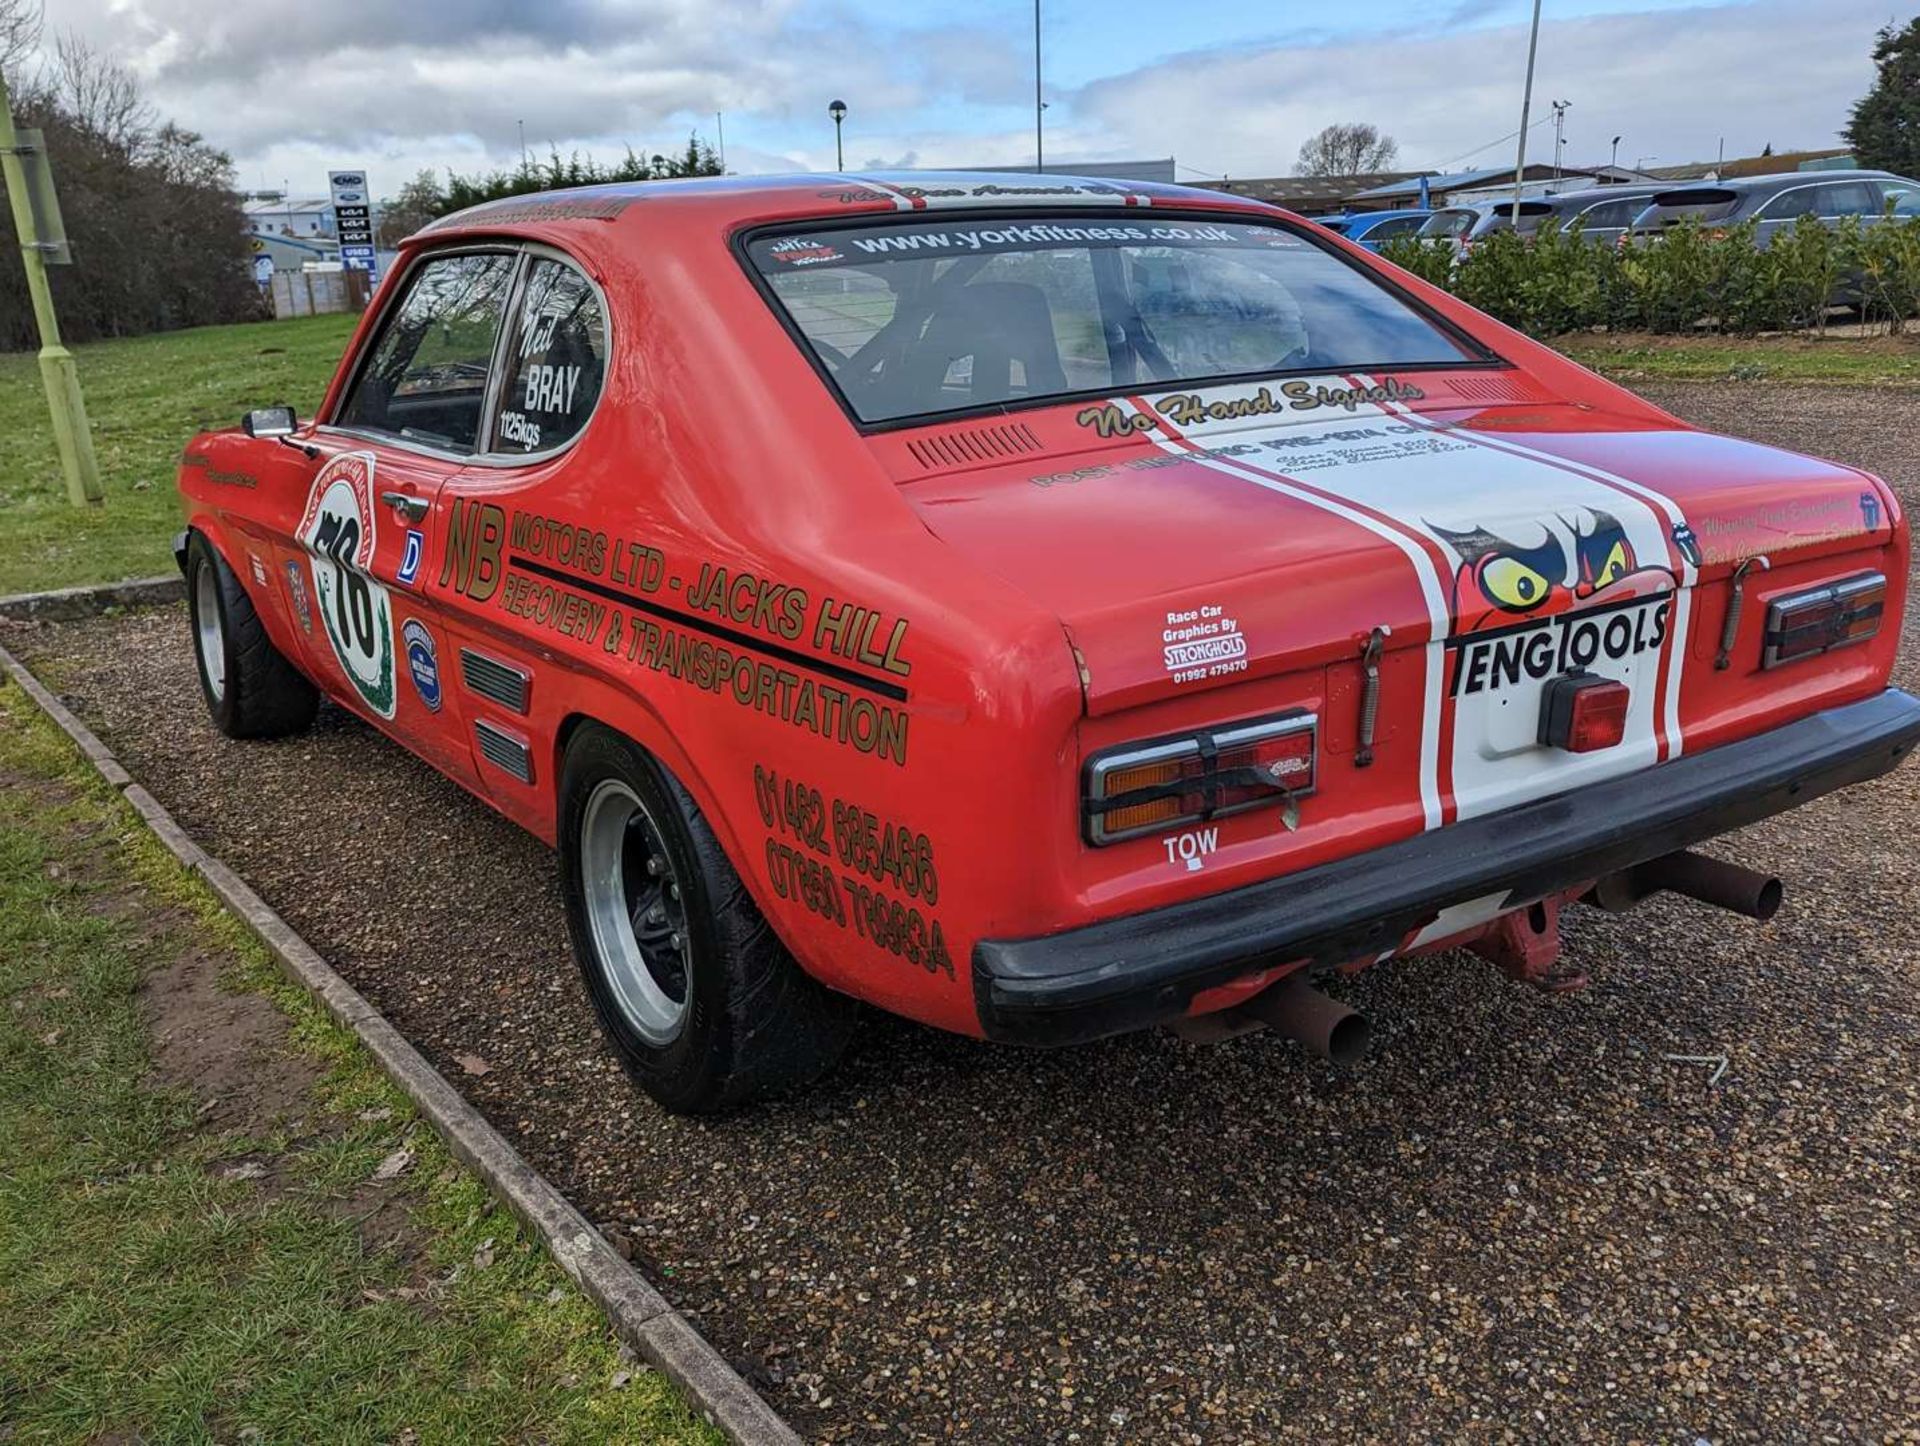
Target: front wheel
[(704, 1005), (250, 689)]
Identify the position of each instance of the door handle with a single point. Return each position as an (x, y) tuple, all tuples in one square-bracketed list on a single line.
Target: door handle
[(406, 504)]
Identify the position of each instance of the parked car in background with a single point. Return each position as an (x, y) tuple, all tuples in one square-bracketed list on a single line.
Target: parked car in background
[(1604, 213), (1373, 229), (1466, 225), (1779, 201)]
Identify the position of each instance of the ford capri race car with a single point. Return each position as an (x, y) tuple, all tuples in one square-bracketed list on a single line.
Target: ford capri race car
[(1039, 607)]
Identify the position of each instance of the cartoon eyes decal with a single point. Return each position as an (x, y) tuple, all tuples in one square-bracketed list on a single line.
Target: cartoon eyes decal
[(1605, 554), (1510, 583)]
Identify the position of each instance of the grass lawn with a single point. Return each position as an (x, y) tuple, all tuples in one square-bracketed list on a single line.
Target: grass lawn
[(1861, 361), (207, 1229), (146, 396)]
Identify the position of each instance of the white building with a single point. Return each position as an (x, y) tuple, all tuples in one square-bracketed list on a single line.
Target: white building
[(269, 213)]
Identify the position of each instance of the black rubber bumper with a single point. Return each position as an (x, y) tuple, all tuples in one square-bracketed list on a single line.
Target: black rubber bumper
[(1143, 969)]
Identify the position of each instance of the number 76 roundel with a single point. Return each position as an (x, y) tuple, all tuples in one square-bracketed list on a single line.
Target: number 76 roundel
[(337, 530)]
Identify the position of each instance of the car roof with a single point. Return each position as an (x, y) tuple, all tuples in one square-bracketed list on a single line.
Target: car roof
[(738, 200), (1778, 181), (1593, 195)]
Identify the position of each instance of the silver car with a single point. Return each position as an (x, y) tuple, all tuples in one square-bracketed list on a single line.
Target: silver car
[(1780, 201)]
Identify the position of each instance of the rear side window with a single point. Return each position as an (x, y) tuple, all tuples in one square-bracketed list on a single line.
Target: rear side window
[(1399, 226), (426, 378), (1611, 214), (1901, 200), (556, 361), (915, 318), (1448, 223)]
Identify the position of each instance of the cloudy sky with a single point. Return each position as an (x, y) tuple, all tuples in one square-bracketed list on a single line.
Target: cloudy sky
[(292, 87)]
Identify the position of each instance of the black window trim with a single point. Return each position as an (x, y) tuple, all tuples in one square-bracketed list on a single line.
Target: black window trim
[(1480, 357), (524, 253)]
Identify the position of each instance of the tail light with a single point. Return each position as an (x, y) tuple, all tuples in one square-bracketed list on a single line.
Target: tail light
[(1584, 713), (1145, 787), (1819, 619)]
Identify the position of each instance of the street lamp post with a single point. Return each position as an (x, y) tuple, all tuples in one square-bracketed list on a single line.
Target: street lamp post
[(1039, 149), (838, 110), (1614, 164), (71, 435), (1526, 108)]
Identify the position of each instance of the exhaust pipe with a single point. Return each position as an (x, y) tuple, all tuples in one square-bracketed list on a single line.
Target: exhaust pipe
[(1711, 881), (1714, 881), (1296, 1009)]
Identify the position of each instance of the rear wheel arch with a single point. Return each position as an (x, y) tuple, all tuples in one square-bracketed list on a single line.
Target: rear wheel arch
[(644, 727), (735, 1016)]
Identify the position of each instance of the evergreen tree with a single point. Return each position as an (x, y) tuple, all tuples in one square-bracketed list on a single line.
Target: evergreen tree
[(1885, 129)]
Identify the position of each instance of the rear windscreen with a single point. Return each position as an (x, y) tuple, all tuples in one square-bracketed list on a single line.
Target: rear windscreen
[(1706, 203), (920, 317)]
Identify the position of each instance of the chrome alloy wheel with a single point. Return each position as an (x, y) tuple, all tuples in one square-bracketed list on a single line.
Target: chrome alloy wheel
[(636, 911), (208, 636)]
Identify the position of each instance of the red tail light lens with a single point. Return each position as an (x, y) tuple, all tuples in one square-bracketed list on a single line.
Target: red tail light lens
[(1823, 618), (1584, 713), (1197, 776)]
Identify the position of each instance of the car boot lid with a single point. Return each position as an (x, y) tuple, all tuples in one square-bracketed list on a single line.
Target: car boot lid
[(1212, 537)]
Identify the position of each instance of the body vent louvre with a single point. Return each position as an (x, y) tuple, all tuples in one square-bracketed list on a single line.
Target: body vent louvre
[(1495, 388), (504, 751), (494, 680), (971, 446)]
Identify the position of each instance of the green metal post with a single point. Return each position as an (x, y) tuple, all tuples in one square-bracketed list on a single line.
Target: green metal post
[(57, 370)]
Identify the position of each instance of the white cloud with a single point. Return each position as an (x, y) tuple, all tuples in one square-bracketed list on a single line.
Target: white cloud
[(291, 87), (1671, 83)]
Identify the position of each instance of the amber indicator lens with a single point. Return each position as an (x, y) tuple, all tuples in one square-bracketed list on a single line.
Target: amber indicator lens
[(1804, 624), (1198, 776)]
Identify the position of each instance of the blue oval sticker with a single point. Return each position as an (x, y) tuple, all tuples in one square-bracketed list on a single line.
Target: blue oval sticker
[(423, 662)]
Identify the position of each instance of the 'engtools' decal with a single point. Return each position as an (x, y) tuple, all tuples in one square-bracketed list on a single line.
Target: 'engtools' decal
[(1529, 568)]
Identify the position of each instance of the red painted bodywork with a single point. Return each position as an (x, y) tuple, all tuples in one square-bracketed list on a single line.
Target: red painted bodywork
[(1018, 572)]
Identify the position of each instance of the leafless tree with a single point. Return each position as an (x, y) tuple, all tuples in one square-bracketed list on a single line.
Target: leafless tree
[(158, 237), (100, 96), (19, 33), (1352, 149)]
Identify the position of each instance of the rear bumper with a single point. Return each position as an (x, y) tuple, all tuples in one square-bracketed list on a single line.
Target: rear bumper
[(1144, 969)]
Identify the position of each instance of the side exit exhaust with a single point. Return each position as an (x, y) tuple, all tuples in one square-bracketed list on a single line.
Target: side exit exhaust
[(1711, 881), (1296, 1009)]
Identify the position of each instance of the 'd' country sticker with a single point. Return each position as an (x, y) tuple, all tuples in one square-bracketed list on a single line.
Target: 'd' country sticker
[(337, 530)]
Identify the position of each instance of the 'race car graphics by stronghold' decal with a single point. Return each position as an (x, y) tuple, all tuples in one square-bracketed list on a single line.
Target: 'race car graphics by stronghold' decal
[(337, 529), (1530, 567)]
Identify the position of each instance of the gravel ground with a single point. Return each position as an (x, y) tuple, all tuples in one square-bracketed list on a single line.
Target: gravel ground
[(1518, 1220)]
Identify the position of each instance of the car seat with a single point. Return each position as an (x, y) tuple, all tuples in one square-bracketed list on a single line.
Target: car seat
[(994, 324)]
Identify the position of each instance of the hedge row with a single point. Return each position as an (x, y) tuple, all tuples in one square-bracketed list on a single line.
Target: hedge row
[(1691, 278)]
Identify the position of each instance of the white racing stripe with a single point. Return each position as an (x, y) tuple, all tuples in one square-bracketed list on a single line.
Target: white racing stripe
[(1688, 573), (1432, 591), (1552, 568)]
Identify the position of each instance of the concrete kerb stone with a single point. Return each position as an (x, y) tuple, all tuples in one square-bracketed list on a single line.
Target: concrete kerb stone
[(640, 1316), (67, 603)]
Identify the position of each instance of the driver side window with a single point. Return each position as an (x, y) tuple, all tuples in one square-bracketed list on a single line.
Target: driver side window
[(426, 379)]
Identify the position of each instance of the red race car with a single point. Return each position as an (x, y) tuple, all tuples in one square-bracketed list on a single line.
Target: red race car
[(1039, 607)]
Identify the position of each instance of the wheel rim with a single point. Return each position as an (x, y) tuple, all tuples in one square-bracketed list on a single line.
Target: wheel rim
[(636, 909), (207, 632)]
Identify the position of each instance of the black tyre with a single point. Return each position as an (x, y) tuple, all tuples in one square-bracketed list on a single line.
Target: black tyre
[(251, 690), (703, 1003)]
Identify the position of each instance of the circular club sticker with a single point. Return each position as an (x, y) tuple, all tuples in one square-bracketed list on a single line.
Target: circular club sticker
[(337, 531)]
